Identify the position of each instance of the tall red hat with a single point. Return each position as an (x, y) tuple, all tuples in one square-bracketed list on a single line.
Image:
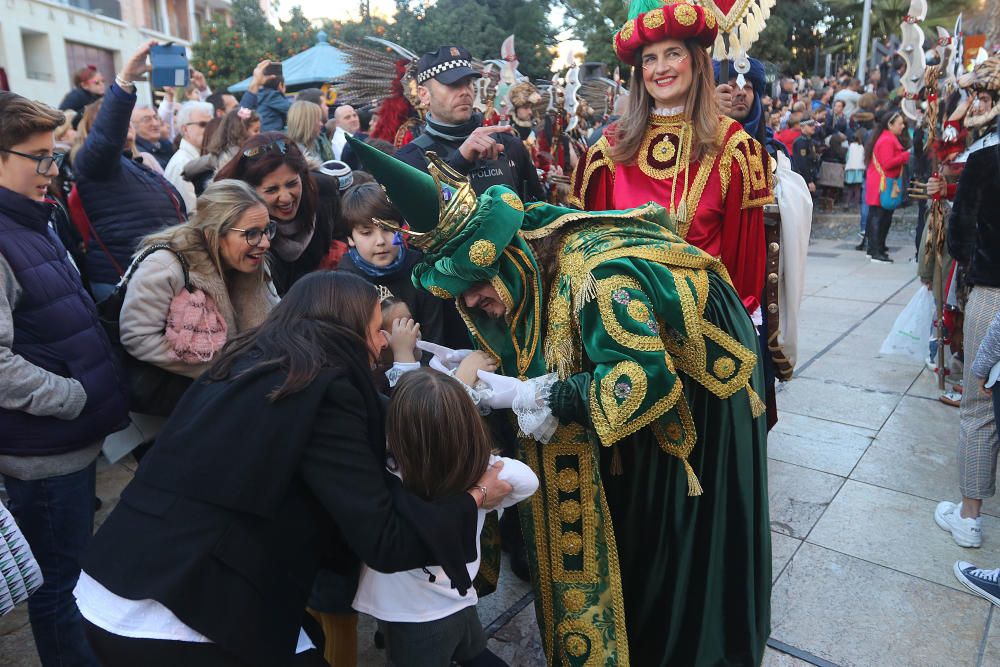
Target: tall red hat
[(650, 22)]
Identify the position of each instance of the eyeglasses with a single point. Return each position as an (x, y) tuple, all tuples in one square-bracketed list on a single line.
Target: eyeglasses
[(200, 123), (255, 236), (673, 57), (257, 151), (145, 120), (43, 162)]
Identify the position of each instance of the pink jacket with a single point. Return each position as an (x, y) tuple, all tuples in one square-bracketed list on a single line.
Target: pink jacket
[(891, 157)]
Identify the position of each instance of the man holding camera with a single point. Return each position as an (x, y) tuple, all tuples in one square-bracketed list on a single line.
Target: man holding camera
[(454, 131)]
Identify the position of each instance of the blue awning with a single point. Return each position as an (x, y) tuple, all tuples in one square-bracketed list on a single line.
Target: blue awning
[(323, 63)]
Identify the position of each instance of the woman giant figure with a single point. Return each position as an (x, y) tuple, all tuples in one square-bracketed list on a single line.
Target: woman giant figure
[(671, 146)]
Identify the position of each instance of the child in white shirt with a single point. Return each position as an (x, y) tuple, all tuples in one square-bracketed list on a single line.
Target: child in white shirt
[(438, 445)]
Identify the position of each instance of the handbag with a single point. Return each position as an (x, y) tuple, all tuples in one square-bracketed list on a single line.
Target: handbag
[(890, 190), (151, 389), (831, 175), (21, 574)]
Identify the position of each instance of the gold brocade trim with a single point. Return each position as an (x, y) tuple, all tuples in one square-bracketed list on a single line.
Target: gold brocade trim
[(605, 301), (440, 292), (679, 440), (503, 293), (567, 540), (631, 390), (544, 577), (615, 581), (656, 135), (758, 182), (482, 252), (597, 156), (608, 434), (724, 367), (567, 218)]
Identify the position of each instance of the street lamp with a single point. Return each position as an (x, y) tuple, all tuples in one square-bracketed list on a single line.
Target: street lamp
[(866, 28)]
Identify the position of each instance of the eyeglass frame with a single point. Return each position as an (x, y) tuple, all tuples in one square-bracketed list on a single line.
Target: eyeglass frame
[(270, 230), (200, 123), (56, 159), (257, 151)]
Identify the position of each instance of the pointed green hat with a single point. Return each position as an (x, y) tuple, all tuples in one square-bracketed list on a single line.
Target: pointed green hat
[(435, 206)]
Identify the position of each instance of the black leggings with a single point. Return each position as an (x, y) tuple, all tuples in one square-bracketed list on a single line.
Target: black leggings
[(116, 651), (877, 230)]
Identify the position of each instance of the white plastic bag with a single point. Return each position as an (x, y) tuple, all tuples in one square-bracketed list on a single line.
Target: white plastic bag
[(911, 332)]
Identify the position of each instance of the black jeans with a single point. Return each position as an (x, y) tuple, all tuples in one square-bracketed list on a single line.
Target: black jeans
[(116, 651), (879, 221)]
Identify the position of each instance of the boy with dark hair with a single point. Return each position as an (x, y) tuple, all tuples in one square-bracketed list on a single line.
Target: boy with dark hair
[(62, 390)]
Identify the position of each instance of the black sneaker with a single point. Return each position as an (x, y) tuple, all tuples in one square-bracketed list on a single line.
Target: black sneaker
[(862, 246), (881, 258), (981, 582)]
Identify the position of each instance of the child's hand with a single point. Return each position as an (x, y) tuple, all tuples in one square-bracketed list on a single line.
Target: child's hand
[(403, 339), (476, 361)]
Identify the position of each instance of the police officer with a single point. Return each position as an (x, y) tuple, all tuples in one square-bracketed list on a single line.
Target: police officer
[(487, 155), (804, 153)]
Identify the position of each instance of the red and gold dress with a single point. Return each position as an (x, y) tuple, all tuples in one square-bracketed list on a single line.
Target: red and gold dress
[(723, 211)]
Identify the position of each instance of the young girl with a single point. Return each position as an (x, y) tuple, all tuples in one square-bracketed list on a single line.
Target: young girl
[(854, 170), (439, 446)]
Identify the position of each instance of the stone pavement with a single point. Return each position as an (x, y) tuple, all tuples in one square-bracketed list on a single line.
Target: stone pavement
[(860, 457)]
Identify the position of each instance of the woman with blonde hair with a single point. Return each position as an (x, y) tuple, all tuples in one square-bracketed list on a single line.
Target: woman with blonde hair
[(671, 146), (305, 127), (196, 285)]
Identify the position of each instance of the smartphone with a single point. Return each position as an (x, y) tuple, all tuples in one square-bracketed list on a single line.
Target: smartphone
[(274, 69), (170, 65)]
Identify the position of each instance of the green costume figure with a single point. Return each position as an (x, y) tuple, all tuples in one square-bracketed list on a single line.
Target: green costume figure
[(649, 538)]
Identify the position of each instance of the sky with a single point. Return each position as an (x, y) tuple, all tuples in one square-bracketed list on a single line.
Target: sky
[(348, 10)]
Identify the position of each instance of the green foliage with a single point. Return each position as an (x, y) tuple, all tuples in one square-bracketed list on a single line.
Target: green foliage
[(227, 54), (594, 22), (480, 26)]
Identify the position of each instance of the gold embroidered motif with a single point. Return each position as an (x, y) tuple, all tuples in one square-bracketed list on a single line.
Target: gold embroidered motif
[(606, 292), (576, 646), (574, 600), (483, 252), (626, 32), (597, 156), (709, 18), (653, 19), (664, 151), (440, 292), (724, 367), (568, 480), (569, 511), (638, 311), (512, 200), (572, 543), (685, 14), (674, 432)]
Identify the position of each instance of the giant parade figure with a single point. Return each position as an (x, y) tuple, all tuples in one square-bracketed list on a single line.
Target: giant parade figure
[(629, 361)]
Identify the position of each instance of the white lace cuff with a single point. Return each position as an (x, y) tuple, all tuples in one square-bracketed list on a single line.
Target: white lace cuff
[(397, 370), (531, 405)]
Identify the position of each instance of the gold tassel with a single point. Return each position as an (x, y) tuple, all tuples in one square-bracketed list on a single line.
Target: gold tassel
[(586, 293), (757, 407), (616, 461), (694, 486)]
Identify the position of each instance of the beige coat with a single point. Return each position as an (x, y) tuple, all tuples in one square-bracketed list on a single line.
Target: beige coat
[(244, 303)]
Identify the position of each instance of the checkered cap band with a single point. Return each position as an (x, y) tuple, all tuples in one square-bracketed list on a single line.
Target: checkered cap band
[(441, 67)]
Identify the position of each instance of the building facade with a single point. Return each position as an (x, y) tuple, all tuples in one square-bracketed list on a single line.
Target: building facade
[(42, 42)]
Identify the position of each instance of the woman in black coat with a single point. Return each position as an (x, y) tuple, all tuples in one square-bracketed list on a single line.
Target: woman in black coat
[(272, 465)]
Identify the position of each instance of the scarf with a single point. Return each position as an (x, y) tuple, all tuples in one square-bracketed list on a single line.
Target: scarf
[(454, 133), (292, 239), (373, 271)]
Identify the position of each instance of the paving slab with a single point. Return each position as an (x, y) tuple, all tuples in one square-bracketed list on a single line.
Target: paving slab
[(898, 531), (819, 444), (855, 613), (833, 314), (782, 550), (863, 288), (923, 419), (991, 651), (774, 658), (519, 642), (812, 341), (869, 372), (798, 496), (837, 401), (17, 648)]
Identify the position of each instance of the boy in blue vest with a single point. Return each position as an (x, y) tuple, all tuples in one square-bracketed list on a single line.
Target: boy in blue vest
[(62, 389)]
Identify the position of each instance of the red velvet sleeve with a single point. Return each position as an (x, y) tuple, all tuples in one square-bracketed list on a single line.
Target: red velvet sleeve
[(743, 248), (594, 179)]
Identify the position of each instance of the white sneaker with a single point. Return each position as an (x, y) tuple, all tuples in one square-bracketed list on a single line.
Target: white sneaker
[(965, 532)]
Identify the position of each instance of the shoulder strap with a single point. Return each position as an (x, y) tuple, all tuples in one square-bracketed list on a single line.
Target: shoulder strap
[(146, 252)]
